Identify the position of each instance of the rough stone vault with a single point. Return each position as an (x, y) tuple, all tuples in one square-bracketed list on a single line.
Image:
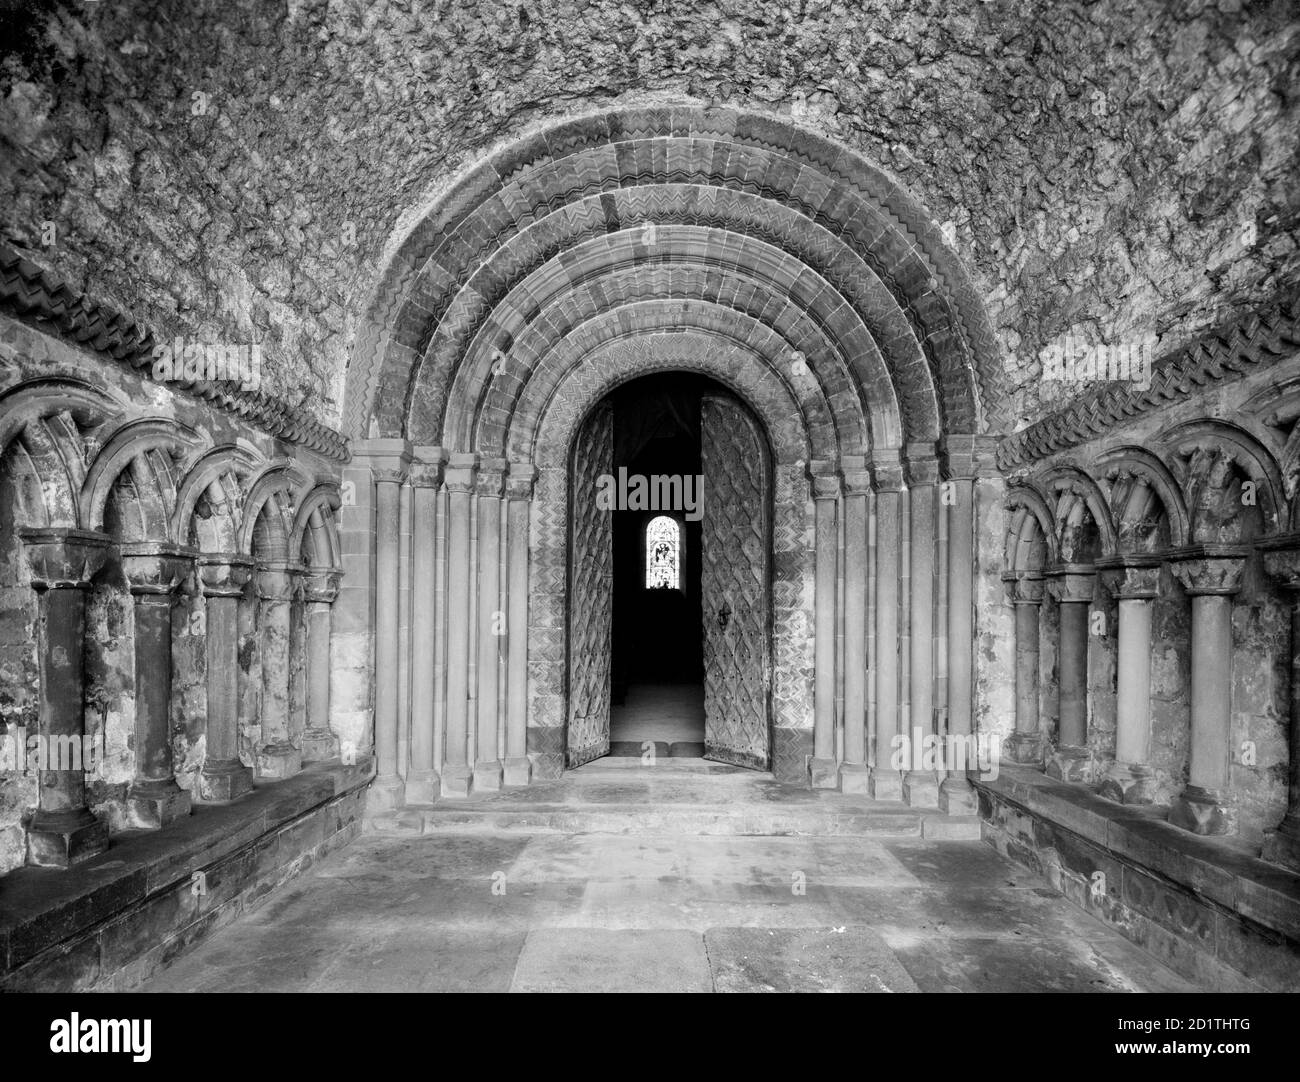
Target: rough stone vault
[(308, 323)]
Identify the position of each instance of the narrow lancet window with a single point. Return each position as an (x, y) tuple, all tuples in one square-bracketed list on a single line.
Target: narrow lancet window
[(663, 554)]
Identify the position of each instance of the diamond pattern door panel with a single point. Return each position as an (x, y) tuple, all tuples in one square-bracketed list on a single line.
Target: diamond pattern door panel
[(591, 560), (734, 584)]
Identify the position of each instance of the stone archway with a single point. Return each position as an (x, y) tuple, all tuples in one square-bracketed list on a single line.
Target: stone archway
[(612, 246)]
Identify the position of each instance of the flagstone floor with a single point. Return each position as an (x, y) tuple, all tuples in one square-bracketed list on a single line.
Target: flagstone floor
[(480, 911)]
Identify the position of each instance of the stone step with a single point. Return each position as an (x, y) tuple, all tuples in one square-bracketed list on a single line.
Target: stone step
[(685, 796)]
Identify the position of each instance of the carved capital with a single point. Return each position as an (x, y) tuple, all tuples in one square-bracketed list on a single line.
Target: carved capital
[(279, 581), (520, 481), (887, 470), (1024, 587), (460, 472), (224, 574), (491, 479), (321, 585), (153, 567), (427, 465), (1072, 582), (388, 459), (61, 559), (1209, 569), (1131, 577), (922, 464)]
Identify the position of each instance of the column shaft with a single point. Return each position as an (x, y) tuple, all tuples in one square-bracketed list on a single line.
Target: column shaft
[(387, 791), (422, 783), (224, 777), (886, 780), (456, 773), (825, 772), (491, 625), (853, 771)]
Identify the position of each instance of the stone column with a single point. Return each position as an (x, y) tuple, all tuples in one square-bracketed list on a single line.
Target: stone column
[(456, 774), (1210, 574), (491, 623), (886, 781), (224, 777), (423, 783), (62, 562), (277, 757), (1282, 562), (956, 794), (1133, 580), (519, 492), (1025, 591), (1072, 586), (387, 790), (921, 786), (319, 592), (826, 493), (854, 775), (154, 571)]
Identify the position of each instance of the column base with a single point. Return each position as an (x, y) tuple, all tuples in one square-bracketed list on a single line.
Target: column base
[(957, 796), (457, 780), (319, 745), (1025, 748), (223, 780), (516, 772), (855, 778), (1202, 812), (386, 792), (423, 787), (885, 784), (1070, 764), (152, 805), (62, 839), (1127, 783), (487, 776), (920, 790), (824, 773), (278, 761), (1282, 846)]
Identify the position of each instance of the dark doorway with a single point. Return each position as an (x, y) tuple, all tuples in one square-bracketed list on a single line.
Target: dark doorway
[(658, 668)]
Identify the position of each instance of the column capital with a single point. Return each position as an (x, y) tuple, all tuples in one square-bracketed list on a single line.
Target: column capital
[(460, 471), (1209, 569), (966, 457), (921, 463), (855, 474), (824, 478), (1281, 559), (1024, 587), (279, 580), (388, 459), (520, 481), (887, 469), (224, 574), (62, 558), (155, 567), (1071, 582), (427, 465), (1131, 576), (321, 584), (491, 479)]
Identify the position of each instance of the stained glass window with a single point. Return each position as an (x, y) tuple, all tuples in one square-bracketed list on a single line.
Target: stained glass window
[(663, 552)]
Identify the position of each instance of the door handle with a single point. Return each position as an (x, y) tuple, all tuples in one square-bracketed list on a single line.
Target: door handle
[(724, 616)]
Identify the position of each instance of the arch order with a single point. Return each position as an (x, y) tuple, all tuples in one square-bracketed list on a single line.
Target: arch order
[(315, 519), (128, 441), (1251, 456), (1147, 466), (831, 248), (1076, 483), (1030, 514), (273, 479), (211, 468)]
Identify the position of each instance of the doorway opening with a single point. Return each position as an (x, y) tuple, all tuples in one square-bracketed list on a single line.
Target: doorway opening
[(682, 479)]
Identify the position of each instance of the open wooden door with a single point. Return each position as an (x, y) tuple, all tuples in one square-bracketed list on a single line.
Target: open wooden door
[(735, 556), (591, 582)]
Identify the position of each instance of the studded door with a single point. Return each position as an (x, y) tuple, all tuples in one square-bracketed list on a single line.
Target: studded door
[(735, 539), (591, 560)]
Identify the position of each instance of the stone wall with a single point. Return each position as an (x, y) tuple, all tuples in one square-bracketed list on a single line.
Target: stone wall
[(1105, 170)]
